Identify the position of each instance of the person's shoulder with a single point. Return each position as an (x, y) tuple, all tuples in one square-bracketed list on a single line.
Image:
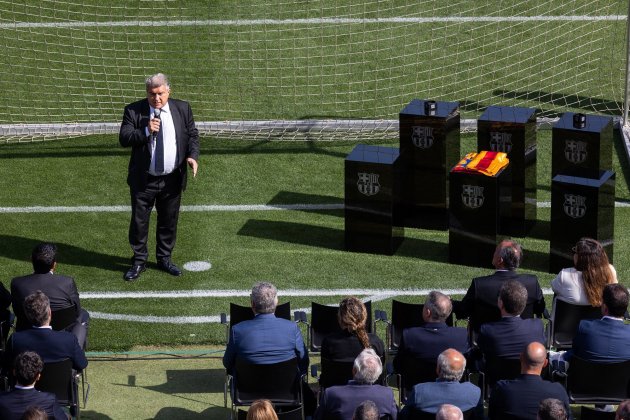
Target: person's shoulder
[(527, 278), (138, 104)]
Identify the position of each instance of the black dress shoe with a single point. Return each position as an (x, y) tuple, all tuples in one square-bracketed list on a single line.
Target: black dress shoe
[(168, 266), (134, 272)]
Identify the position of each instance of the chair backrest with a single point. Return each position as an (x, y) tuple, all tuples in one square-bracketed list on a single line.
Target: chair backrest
[(588, 413), (277, 382), (63, 318), (335, 373), (239, 313), (407, 315), (497, 368), (58, 378), (324, 321), (605, 383), (566, 320), (415, 371)]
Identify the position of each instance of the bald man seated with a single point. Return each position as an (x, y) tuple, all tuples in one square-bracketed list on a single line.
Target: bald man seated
[(427, 397), (520, 398), (449, 412)]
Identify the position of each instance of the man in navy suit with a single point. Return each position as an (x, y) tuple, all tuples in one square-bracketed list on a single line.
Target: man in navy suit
[(52, 346), (506, 338), (27, 369), (520, 398), (427, 397), (480, 301), (429, 340), (163, 139), (605, 340), (339, 402)]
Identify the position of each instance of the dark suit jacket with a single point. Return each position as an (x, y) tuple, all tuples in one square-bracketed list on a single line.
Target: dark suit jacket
[(132, 134), (429, 396), (602, 340), (508, 337), (14, 403), (266, 340), (342, 346), (480, 301), (61, 292), (52, 346), (339, 402), (519, 398), (428, 341)]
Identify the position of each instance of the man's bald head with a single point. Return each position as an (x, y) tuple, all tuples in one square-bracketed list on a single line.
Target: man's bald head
[(451, 365), (534, 358), (449, 412)]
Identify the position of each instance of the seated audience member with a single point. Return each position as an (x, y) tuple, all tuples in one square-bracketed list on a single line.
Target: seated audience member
[(261, 410), (429, 340), (584, 283), (605, 340), (345, 346), (34, 413), (13, 404), (428, 397), (267, 340), (5, 314), (367, 410), (449, 412), (508, 337), (520, 398), (52, 346), (552, 409), (339, 402), (623, 411), (61, 290), (480, 301)]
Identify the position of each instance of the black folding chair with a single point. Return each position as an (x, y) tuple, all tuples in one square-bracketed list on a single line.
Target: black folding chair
[(281, 383), (63, 318), (60, 379), (239, 313), (564, 325)]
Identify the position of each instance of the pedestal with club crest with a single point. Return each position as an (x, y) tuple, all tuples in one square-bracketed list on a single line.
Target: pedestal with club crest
[(429, 148), (512, 130), (479, 207), (373, 221), (580, 207), (581, 145)]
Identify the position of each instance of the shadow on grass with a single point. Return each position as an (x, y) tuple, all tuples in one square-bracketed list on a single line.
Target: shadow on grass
[(93, 415), (20, 248), (291, 197), (587, 103), (191, 381), (169, 413)]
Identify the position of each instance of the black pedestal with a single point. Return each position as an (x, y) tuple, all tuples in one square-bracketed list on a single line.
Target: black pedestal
[(479, 207), (512, 130), (372, 200), (429, 148), (581, 151), (580, 207)]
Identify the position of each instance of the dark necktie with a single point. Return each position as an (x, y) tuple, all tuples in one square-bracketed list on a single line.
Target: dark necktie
[(159, 151)]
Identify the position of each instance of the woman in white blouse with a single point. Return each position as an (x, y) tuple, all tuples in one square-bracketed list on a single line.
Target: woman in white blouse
[(584, 283)]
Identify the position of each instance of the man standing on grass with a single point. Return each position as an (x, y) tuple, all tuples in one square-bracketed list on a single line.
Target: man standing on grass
[(163, 139)]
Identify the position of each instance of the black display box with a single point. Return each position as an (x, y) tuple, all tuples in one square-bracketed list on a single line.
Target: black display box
[(429, 148), (580, 207), (479, 208), (583, 148), (512, 130), (373, 221)]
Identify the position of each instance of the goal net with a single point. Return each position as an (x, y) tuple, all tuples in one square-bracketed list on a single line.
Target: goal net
[(314, 70)]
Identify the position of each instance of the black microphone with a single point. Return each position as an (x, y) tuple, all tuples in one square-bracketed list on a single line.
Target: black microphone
[(156, 114)]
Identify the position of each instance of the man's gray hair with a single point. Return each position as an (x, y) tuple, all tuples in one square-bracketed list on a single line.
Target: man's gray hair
[(264, 298), (440, 306), (446, 370), (552, 409), (157, 80), (449, 412), (511, 253), (367, 367), (367, 410)]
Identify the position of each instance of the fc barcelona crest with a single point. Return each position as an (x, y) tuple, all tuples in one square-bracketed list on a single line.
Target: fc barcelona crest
[(574, 205), (472, 196), (575, 151), (422, 137), (368, 183), (500, 142)]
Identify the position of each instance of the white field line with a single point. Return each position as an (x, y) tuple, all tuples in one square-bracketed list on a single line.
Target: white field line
[(374, 295), (205, 208), (311, 21)]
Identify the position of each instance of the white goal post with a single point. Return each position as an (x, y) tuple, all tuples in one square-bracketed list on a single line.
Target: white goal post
[(316, 70)]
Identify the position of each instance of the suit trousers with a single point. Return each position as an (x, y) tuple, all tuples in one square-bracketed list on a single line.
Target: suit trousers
[(164, 192)]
